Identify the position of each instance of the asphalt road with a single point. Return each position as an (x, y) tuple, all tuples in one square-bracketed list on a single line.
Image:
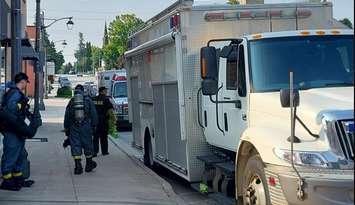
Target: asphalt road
[(180, 186)]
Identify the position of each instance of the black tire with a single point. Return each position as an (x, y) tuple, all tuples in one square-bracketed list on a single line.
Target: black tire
[(148, 153), (254, 171)]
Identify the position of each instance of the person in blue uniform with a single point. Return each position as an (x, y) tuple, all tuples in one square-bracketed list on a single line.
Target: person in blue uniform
[(15, 132), (80, 122)]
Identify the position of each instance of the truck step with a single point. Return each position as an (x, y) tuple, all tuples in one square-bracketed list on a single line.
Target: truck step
[(211, 159), (228, 168)]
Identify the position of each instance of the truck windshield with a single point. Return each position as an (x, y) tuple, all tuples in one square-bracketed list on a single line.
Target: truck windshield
[(317, 62), (120, 90)]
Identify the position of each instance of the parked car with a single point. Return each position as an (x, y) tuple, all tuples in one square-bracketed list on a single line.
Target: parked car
[(61, 78), (65, 83)]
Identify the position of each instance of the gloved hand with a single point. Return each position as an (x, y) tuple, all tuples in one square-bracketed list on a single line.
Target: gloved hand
[(67, 132), (66, 143), (35, 122)]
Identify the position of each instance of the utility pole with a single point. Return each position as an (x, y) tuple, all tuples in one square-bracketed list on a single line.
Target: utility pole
[(38, 66), (42, 63), (16, 58)]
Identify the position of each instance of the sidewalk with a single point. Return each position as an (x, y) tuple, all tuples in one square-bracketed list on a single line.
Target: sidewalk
[(118, 180)]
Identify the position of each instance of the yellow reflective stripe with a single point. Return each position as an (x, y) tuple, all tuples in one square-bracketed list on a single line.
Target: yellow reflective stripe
[(7, 176), (77, 157), (17, 174)]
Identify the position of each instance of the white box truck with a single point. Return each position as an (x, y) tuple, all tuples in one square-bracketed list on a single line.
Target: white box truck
[(209, 100)]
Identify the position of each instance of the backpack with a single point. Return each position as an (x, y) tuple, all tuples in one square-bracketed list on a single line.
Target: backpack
[(3, 113)]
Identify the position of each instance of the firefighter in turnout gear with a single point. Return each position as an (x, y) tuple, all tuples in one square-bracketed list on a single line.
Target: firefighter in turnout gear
[(103, 105), (80, 122), (14, 109)]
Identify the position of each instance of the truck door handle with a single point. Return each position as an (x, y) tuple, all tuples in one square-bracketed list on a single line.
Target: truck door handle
[(227, 98), (225, 122)]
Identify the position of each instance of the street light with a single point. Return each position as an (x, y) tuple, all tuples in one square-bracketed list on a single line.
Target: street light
[(70, 24), (40, 27)]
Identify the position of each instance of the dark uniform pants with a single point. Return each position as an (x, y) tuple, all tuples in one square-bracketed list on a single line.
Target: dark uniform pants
[(101, 136), (14, 155), (81, 139)]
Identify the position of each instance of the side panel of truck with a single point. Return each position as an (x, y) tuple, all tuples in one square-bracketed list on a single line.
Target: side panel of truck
[(168, 81)]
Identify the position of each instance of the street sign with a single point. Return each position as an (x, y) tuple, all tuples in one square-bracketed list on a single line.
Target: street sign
[(50, 68)]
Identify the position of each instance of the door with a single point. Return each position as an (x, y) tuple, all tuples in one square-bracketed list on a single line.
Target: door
[(136, 128), (234, 114)]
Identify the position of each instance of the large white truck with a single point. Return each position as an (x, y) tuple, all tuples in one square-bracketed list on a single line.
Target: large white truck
[(209, 100)]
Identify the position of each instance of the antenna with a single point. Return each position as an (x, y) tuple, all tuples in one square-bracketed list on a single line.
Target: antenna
[(300, 181)]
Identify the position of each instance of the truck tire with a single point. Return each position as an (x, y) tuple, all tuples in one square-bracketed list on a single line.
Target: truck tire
[(148, 153), (255, 189)]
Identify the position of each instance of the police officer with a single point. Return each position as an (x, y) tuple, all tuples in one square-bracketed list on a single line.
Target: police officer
[(80, 122), (103, 105), (15, 104)]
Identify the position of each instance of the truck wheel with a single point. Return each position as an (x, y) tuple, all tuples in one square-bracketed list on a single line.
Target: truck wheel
[(255, 190), (148, 154)]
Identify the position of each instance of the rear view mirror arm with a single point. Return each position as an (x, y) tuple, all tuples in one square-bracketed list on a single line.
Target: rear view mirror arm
[(217, 110), (199, 107)]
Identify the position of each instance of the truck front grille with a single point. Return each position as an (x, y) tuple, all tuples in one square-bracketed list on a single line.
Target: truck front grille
[(345, 134)]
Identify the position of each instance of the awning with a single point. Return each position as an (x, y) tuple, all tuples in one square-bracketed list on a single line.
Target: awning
[(7, 42), (28, 53)]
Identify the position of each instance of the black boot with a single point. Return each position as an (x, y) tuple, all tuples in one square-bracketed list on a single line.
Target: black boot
[(78, 168), (10, 185), (23, 183), (90, 165)]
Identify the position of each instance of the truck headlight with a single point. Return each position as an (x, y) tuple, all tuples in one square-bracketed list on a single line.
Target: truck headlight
[(312, 159)]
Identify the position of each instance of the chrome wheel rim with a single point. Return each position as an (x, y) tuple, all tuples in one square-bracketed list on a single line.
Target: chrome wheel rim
[(255, 192)]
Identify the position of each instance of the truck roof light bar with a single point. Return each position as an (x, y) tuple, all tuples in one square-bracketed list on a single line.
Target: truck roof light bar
[(257, 14), (335, 32), (320, 33), (257, 36), (305, 33)]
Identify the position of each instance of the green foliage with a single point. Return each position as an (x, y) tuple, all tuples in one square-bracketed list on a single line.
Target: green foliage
[(66, 68), (347, 22), (80, 54), (52, 53), (112, 128), (84, 56), (96, 57), (233, 2), (118, 32), (65, 92)]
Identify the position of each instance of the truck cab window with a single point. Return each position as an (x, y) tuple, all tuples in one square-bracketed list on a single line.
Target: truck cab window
[(231, 71), (241, 73)]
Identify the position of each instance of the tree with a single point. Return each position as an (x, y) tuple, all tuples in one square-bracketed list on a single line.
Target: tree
[(96, 57), (52, 53), (67, 68), (118, 32), (80, 54), (105, 40), (88, 57), (347, 22), (233, 2)]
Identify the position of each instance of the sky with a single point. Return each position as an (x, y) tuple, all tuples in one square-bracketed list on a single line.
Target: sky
[(90, 16)]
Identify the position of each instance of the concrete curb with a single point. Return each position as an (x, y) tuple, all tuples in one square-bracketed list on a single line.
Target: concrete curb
[(166, 186)]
